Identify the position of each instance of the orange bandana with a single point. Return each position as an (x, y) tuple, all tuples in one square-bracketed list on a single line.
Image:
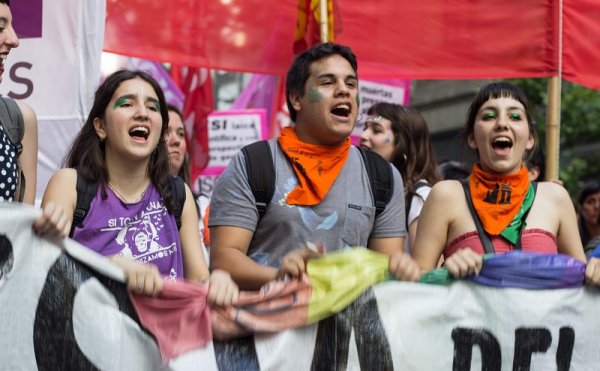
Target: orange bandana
[(316, 167), (497, 198)]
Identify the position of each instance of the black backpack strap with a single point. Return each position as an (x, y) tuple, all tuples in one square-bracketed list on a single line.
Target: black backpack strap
[(178, 190), (261, 174), (381, 178), (11, 119), (86, 191), (519, 245), (488, 248)]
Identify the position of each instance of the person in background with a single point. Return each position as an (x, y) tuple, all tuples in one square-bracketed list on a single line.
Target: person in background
[(177, 145), (16, 168), (131, 219), (400, 135), (453, 170), (511, 211), (322, 191), (588, 222)]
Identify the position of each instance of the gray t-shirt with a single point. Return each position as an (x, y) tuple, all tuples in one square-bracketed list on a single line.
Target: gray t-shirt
[(345, 217)]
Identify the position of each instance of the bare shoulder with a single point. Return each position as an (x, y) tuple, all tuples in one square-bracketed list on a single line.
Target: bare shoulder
[(29, 116), (64, 179), (553, 192), (446, 191)]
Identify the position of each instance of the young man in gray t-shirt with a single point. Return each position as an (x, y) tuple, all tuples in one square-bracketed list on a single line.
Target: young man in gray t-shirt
[(322, 190)]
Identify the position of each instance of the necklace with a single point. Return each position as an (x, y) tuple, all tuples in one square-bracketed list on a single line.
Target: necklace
[(123, 198)]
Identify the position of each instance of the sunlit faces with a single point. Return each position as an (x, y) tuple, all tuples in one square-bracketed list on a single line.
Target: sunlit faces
[(327, 111), (378, 136), (501, 135), (590, 209), (8, 37), (176, 144), (132, 122)]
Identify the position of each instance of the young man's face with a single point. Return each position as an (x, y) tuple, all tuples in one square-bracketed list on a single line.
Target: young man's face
[(327, 111)]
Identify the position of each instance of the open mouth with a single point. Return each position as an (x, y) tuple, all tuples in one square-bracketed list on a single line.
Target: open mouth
[(342, 110), (502, 143), (139, 132)]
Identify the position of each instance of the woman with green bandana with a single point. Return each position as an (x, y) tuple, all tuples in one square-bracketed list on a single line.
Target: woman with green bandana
[(497, 209)]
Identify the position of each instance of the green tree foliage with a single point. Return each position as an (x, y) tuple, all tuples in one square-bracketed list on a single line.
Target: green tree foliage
[(579, 129)]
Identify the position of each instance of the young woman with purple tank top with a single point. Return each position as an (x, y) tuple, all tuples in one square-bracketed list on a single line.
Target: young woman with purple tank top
[(130, 220)]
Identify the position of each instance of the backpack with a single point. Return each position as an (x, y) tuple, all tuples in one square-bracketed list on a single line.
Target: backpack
[(11, 119), (261, 176), (86, 191), (488, 247)]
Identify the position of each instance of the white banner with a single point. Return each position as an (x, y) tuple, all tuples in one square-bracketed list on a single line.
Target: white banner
[(55, 70), (57, 313)]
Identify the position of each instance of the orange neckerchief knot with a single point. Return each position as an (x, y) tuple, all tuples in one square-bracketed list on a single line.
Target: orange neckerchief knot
[(316, 167), (497, 198)]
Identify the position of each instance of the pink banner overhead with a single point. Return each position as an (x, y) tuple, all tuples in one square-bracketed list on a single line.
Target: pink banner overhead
[(248, 35)]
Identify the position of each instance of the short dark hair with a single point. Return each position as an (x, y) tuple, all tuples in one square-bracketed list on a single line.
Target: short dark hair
[(184, 171), (7, 2), (538, 159), (300, 69), (589, 188), (87, 151), (497, 90)]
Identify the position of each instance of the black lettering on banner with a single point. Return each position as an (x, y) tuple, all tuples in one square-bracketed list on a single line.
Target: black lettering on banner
[(54, 340), (7, 256), (564, 352), (21, 80), (333, 337), (464, 340), (527, 342)]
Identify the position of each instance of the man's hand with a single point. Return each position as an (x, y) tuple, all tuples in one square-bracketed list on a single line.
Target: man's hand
[(294, 263), (222, 289)]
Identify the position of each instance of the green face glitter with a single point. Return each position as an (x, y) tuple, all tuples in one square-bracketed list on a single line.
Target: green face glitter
[(314, 96)]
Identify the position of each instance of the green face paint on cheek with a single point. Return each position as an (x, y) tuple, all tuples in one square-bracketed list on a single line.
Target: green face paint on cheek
[(314, 96), (357, 100)]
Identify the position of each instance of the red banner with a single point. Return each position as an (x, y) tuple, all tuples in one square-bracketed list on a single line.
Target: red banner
[(433, 39), (248, 35)]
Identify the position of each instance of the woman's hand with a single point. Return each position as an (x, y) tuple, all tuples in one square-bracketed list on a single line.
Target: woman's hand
[(465, 262), (53, 223), (143, 279), (222, 289), (592, 272), (403, 267)]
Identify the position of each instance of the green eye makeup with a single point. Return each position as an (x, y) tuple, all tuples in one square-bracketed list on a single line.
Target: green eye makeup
[(515, 116), (119, 102), (489, 115)]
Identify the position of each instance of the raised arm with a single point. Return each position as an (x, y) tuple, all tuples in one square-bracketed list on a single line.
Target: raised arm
[(28, 158)]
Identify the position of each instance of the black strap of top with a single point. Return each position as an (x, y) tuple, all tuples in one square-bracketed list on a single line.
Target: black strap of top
[(488, 248)]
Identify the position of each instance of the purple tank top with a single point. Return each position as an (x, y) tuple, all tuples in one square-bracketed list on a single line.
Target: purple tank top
[(143, 231)]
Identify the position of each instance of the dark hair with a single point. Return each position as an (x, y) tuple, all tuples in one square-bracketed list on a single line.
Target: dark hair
[(588, 189), (300, 69), (413, 154), (538, 159), (7, 2), (453, 170), (87, 151), (184, 171), (497, 90)]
